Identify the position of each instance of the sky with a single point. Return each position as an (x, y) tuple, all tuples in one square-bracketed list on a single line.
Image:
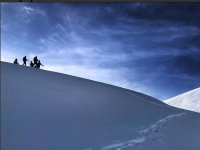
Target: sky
[(153, 48)]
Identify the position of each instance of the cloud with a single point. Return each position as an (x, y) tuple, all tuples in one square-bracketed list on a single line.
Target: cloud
[(140, 46), (28, 10)]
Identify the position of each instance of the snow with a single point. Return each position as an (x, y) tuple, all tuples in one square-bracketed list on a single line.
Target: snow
[(43, 110), (152, 132), (189, 100)]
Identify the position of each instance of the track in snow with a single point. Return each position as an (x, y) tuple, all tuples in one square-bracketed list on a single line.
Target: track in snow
[(152, 132)]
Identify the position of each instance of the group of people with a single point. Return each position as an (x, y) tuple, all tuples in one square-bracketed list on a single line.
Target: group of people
[(36, 62)]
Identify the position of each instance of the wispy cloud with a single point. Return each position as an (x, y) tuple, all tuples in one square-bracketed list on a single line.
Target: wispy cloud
[(28, 10), (144, 47)]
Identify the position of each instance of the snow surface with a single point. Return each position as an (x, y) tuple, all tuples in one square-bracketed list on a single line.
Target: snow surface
[(42, 110), (189, 100), (151, 132)]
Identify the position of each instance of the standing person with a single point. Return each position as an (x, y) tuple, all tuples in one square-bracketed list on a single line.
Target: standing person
[(16, 61), (24, 60), (31, 64), (35, 60), (39, 64)]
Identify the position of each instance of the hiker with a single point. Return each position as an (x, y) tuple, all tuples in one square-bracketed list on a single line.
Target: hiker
[(16, 61), (31, 64), (35, 60), (39, 64), (24, 60)]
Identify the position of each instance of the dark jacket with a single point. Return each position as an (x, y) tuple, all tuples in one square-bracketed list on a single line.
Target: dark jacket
[(15, 61)]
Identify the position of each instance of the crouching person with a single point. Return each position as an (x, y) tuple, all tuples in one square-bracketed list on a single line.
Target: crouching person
[(38, 64), (16, 61), (31, 64)]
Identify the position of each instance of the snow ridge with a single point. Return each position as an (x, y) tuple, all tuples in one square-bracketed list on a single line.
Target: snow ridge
[(138, 97), (189, 100), (152, 132)]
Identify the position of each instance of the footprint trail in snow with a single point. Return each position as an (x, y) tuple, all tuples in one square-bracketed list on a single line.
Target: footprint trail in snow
[(152, 132)]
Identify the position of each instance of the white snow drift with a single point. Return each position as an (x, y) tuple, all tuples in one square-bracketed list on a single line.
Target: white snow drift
[(189, 100), (42, 110)]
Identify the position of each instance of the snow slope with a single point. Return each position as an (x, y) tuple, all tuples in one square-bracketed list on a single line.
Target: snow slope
[(189, 100), (42, 110)]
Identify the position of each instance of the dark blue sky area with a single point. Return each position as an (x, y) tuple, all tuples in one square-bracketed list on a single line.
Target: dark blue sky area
[(152, 48)]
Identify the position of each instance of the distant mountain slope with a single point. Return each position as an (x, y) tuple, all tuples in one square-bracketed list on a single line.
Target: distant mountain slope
[(43, 110), (189, 100)]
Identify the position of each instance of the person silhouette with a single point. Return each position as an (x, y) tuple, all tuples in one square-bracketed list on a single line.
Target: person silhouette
[(24, 60), (31, 64), (35, 60), (39, 64), (16, 61)]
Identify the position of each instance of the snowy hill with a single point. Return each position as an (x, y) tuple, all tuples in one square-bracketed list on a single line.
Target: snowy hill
[(189, 100), (42, 110)]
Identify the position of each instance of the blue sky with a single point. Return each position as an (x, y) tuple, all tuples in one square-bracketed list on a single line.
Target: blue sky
[(153, 48)]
